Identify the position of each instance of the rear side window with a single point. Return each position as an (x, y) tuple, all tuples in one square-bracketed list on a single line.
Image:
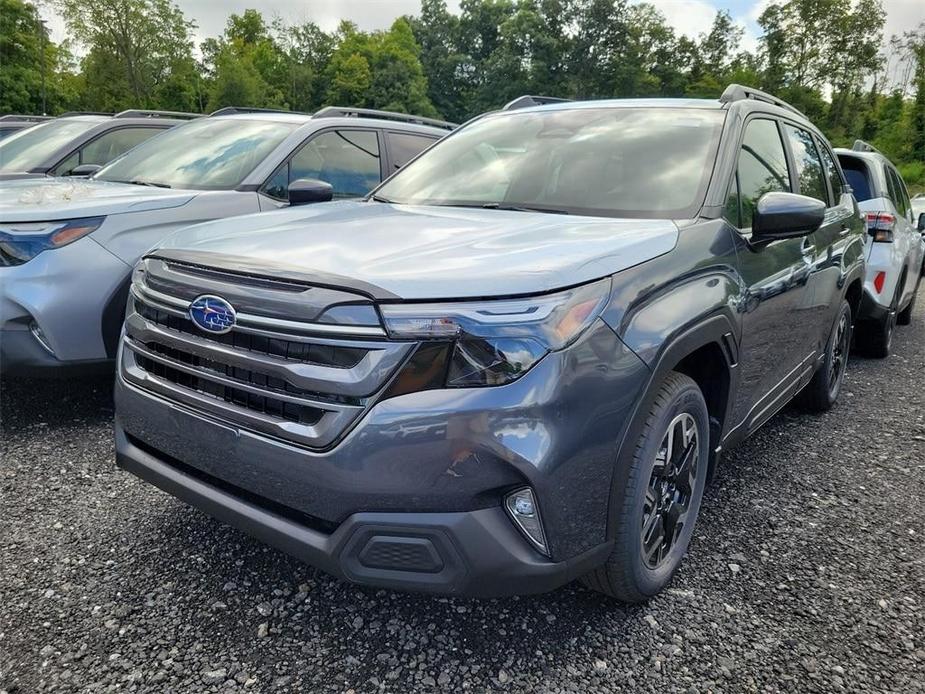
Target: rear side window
[(898, 192), (858, 176), (404, 147), (831, 170), (762, 169), (808, 163), (347, 159)]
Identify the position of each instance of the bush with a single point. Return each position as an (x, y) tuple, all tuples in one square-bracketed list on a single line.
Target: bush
[(913, 174)]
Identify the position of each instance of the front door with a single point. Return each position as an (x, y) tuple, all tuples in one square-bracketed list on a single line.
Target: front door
[(777, 351)]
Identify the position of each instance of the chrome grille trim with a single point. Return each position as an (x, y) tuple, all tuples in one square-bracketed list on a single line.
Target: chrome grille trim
[(166, 301)]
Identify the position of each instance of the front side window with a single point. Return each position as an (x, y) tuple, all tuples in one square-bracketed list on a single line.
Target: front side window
[(30, 148), (347, 159), (113, 144), (808, 163), (613, 162), (204, 154), (762, 167)]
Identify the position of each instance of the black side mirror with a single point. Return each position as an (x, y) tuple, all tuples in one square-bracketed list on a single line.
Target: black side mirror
[(921, 224), (308, 190), (786, 216), (85, 170)]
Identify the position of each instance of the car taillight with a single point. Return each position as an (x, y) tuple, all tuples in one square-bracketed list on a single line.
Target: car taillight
[(880, 226)]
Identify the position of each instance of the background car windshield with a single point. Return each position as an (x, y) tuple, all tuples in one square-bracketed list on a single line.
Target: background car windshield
[(31, 148), (620, 162), (207, 154)]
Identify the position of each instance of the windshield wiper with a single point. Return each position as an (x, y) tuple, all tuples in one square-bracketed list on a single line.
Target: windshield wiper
[(379, 198), (152, 184), (522, 208)]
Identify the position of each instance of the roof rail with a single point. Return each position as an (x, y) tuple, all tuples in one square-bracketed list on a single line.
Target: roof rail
[(20, 118), (231, 110), (146, 113), (526, 101), (349, 112), (861, 146), (68, 114), (738, 92)]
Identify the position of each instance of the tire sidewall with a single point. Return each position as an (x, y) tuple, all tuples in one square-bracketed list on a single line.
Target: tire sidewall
[(830, 353), (650, 581)]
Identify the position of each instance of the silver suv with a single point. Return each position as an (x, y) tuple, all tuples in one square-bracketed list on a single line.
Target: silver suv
[(894, 247), (67, 246)]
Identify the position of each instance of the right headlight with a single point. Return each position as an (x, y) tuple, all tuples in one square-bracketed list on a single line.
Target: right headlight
[(21, 242), (493, 342)]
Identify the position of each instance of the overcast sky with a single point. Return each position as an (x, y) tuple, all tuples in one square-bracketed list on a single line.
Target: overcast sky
[(691, 17)]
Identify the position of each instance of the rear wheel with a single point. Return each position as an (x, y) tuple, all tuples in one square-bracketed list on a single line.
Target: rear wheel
[(822, 391), (659, 503), (905, 316)]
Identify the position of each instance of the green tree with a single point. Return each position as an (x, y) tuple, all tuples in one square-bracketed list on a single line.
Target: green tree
[(133, 49)]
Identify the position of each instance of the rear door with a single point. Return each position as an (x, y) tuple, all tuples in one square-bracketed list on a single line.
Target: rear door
[(819, 178)]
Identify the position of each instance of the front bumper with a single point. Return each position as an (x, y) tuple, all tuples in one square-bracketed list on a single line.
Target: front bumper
[(475, 553), (435, 464)]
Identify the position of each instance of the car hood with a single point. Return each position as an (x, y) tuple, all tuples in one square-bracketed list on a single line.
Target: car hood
[(46, 199), (424, 252)]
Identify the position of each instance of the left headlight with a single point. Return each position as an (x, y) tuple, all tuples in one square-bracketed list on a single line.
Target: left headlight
[(494, 342), (20, 243)]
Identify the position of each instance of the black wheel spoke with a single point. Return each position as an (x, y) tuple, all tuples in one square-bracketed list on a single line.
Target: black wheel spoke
[(671, 488)]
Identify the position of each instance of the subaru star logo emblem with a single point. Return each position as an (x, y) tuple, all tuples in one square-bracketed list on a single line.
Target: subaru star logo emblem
[(212, 314)]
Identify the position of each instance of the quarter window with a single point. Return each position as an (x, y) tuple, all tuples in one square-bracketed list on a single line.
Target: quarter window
[(762, 168), (404, 147), (347, 159), (808, 163)]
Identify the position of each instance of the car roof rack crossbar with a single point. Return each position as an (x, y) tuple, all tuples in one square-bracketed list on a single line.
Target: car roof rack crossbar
[(231, 110), (738, 92), (350, 112), (527, 100), (20, 118), (148, 113), (861, 146), (68, 114)]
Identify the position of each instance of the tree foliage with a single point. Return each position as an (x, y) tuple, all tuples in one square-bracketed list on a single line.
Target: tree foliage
[(823, 56)]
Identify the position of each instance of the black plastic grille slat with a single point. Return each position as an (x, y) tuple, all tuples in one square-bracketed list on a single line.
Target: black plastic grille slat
[(264, 404), (304, 352)]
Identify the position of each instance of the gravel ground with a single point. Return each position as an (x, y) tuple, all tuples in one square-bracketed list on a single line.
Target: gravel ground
[(806, 575)]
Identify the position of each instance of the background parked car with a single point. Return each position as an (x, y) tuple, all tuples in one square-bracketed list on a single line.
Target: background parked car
[(88, 141), (13, 123), (894, 247), (87, 233)]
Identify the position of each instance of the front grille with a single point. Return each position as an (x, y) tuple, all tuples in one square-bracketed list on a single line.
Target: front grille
[(271, 375), (264, 404), (321, 354)]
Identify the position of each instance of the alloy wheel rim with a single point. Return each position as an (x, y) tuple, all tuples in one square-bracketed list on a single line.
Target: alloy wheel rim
[(671, 486), (840, 347)]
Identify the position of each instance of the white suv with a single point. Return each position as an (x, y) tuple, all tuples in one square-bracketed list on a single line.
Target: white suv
[(894, 247)]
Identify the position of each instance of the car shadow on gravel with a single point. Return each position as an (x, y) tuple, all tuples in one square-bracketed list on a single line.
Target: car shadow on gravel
[(25, 403)]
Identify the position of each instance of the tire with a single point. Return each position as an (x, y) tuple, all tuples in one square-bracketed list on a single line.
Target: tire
[(821, 393), (875, 337), (905, 316), (648, 505)]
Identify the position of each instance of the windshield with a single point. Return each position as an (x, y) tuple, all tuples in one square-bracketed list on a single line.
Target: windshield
[(205, 154), (30, 148), (614, 162)]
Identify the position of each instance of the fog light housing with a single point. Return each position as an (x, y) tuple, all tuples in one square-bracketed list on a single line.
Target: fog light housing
[(40, 337), (521, 506)]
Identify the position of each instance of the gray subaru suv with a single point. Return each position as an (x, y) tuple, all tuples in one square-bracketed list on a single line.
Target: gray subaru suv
[(517, 361)]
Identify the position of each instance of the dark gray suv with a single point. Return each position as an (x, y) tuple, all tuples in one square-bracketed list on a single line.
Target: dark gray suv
[(517, 361)]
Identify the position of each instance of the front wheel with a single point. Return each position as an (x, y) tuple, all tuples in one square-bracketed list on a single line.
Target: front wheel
[(659, 503), (822, 391)]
